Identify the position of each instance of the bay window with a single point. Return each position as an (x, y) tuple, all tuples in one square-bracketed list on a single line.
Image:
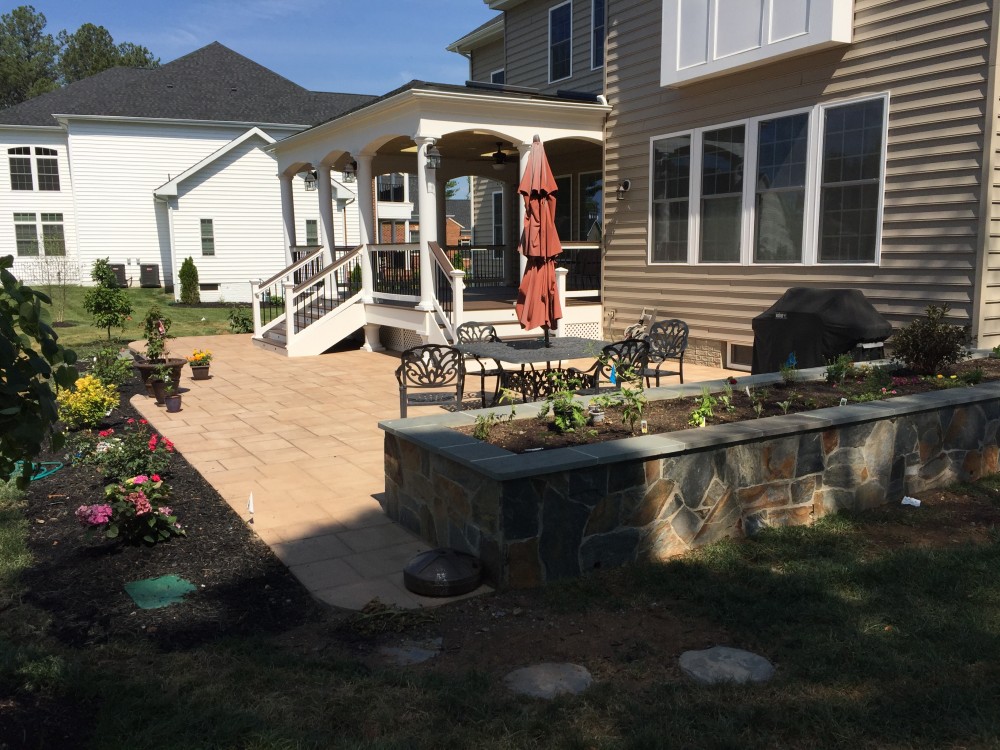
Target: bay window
[(813, 196)]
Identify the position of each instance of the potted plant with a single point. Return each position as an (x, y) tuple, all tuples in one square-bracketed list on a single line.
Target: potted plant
[(596, 408), (171, 397), (157, 329), (160, 377), (200, 361)]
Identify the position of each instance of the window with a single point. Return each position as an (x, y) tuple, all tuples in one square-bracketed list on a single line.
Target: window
[(596, 34), (564, 207), (497, 76), (498, 218), (207, 237), (816, 195), (46, 168), (560, 42), (20, 168), (26, 234), (591, 200), (53, 238), (390, 188), (312, 232)]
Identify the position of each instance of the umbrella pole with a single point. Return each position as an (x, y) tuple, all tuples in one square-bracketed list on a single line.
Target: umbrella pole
[(547, 342)]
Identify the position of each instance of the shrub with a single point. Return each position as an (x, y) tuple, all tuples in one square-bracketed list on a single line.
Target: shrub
[(107, 302), (133, 511), (129, 452), (568, 414), (88, 404), (111, 368), (927, 344), (240, 320), (190, 294)]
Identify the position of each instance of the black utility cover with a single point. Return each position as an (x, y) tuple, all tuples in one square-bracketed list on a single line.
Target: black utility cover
[(817, 325)]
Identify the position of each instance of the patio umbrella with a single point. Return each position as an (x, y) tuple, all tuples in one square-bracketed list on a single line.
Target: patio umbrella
[(537, 297)]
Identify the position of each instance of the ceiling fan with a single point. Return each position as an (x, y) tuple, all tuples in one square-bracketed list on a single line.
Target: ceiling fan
[(499, 156)]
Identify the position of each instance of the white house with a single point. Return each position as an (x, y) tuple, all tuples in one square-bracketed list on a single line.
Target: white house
[(148, 167)]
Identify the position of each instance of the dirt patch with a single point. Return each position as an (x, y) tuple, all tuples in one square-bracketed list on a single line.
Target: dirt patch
[(672, 415)]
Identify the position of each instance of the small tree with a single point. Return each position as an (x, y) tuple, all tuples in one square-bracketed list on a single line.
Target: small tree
[(28, 378), (929, 343), (189, 282), (107, 302)]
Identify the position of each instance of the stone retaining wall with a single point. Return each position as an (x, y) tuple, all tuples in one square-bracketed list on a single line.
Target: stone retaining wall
[(538, 517)]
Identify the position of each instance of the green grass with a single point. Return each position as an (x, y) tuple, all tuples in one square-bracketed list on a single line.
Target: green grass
[(875, 648), (85, 338)]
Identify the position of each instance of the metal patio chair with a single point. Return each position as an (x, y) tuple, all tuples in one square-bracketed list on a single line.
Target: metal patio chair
[(667, 341), (618, 361), (430, 367), (473, 331)]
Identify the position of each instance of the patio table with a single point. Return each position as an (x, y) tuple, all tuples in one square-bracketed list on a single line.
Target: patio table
[(526, 354)]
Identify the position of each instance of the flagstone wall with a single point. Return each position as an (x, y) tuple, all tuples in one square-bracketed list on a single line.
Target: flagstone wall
[(538, 517)]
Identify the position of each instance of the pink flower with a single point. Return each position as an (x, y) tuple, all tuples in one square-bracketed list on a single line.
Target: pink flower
[(152, 442), (141, 479), (164, 510), (140, 501), (93, 515), (170, 446), (155, 477), (105, 433), (143, 421), (130, 421)]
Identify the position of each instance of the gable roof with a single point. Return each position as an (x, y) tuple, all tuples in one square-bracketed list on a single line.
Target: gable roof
[(460, 210), (169, 188), (212, 83), (485, 33)]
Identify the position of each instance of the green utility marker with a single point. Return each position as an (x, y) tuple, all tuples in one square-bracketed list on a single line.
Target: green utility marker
[(153, 593)]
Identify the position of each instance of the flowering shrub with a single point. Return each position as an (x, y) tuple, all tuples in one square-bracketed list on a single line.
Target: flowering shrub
[(133, 511), (132, 451), (88, 404), (112, 366), (200, 357)]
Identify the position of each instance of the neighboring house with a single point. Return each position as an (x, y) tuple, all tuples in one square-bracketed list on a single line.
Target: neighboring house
[(148, 167), (458, 229), (869, 130)]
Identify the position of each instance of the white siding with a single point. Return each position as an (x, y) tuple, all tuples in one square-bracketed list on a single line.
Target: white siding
[(37, 270)]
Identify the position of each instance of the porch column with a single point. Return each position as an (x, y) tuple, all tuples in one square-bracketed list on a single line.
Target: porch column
[(324, 194), (366, 224), (524, 156), (427, 209), (288, 214)]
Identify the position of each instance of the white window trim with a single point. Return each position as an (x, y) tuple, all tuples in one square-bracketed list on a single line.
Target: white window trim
[(39, 222), (33, 157), (593, 66), (493, 218), (810, 229), (493, 74), (552, 10)]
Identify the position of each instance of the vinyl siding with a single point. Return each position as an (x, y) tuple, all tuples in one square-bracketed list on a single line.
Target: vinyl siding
[(527, 40), (482, 197), (935, 60), (486, 59), (38, 270)]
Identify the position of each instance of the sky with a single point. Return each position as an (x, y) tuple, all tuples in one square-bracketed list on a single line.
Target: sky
[(348, 46)]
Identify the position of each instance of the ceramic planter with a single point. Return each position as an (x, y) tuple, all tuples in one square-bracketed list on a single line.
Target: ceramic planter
[(173, 402), (199, 372)]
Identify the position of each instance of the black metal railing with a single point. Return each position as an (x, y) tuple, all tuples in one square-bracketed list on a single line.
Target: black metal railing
[(396, 269), (483, 265), (311, 268), (326, 292), (443, 288), (584, 264)]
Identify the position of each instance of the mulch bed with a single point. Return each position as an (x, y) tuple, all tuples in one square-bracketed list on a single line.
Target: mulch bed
[(672, 415), (78, 575)]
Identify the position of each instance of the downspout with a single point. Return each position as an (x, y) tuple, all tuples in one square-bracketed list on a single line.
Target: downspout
[(173, 245)]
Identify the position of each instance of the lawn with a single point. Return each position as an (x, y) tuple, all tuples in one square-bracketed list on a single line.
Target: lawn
[(81, 335), (884, 629)]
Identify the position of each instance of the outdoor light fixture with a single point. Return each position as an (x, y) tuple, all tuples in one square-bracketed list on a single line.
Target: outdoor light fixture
[(310, 180), (351, 171), (623, 187), (433, 157), (499, 158)]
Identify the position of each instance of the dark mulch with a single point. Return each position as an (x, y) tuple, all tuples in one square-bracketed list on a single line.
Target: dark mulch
[(674, 414), (78, 576)]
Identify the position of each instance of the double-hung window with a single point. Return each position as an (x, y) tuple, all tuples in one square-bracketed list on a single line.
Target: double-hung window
[(561, 41), (800, 187), (498, 218), (312, 232), (26, 234), (207, 237), (19, 159), (23, 174), (47, 164), (596, 34), (29, 228)]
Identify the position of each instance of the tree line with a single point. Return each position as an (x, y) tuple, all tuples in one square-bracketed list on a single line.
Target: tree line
[(33, 62)]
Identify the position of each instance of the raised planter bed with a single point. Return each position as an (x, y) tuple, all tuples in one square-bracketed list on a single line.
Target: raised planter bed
[(537, 517)]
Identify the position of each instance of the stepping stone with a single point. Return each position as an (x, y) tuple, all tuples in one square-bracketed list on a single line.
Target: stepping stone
[(549, 680), (408, 653), (724, 664)]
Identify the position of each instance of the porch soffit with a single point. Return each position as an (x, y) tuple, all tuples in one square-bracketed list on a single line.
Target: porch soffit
[(437, 114)]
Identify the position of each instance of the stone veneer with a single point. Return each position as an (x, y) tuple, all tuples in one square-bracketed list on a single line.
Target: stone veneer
[(553, 514)]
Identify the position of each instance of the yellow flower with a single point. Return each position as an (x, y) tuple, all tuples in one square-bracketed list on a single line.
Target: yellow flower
[(953, 377), (940, 375)]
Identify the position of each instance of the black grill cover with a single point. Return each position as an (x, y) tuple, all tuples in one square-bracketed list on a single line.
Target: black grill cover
[(817, 325)]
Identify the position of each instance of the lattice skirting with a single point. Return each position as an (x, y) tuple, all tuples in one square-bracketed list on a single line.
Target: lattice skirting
[(398, 339), (583, 330)]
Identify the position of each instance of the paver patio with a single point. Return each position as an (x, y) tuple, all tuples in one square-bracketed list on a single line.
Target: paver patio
[(302, 435)]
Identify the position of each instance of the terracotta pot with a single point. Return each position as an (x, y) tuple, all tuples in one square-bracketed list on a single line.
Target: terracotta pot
[(199, 372), (173, 402)]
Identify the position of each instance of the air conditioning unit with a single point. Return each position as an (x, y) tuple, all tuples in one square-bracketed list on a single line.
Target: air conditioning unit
[(149, 275), (119, 269)]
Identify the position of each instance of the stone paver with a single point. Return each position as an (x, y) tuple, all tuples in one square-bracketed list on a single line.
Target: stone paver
[(302, 435), (549, 680), (725, 664)]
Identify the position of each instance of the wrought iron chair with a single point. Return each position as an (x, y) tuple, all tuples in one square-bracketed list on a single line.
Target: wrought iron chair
[(618, 361), (667, 340), (473, 331), (426, 367)]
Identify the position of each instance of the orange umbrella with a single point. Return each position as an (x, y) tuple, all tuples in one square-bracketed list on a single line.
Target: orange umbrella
[(537, 297)]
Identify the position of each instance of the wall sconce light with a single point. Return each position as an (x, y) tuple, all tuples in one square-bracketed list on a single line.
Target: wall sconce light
[(351, 172), (310, 180), (623, 187), (433, 158)]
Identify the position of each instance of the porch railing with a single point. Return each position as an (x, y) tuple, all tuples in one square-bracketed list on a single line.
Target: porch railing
[(484, 265), (325, 291), (268, 297), (583, 261), (396, 271), (449, 288)]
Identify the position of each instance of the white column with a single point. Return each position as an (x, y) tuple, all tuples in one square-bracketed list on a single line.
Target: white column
[(324, 194), (561, 274), (288, 214), (524, 152), (427, 209), (366, 224)]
